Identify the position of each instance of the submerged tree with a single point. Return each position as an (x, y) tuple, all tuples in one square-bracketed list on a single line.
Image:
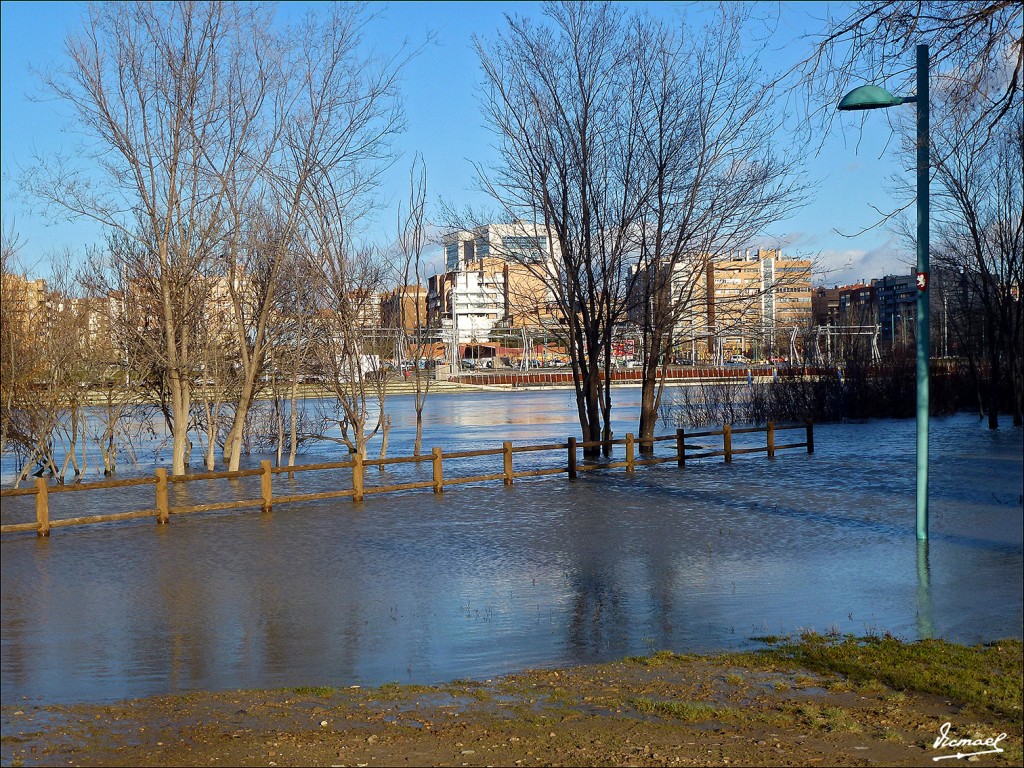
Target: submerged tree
[(164, 97), (412, 239), (643, 150), (16, 349), (978, 213), (334, 111), (197, 118), (561, 100), (713, 176)]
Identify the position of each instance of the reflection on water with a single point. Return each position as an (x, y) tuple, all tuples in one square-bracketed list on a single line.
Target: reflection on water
[(482, 581)]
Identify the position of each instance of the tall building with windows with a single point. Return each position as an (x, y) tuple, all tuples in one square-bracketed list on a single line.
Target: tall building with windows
[(494, 281), (755, 300), (896, 298), (24, 302), (740, 304), (405, 307)]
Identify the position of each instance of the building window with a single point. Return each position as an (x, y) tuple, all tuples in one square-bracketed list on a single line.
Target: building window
[(526, 249)]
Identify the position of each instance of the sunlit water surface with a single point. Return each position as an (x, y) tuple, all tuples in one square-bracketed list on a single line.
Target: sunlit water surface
[(487, 580)]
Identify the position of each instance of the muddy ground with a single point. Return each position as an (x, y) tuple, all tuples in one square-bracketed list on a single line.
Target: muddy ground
[(740, 709)]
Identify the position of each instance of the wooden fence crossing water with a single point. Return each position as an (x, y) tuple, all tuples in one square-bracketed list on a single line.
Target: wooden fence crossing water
[(162, 512)]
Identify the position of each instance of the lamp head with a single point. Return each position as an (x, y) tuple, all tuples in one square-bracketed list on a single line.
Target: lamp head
[(869, 97)]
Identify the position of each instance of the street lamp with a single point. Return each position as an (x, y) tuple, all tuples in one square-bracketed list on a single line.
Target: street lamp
[(873, 97)]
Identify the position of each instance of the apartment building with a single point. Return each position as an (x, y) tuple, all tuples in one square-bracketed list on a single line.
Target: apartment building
[(494, 281), (858, 306), (685, 298), (405, 307), (469, 302), (896, 309), (741, 304), (24, 301), (755, 300)]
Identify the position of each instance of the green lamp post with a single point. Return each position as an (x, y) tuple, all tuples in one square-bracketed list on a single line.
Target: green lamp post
[(873, 97)]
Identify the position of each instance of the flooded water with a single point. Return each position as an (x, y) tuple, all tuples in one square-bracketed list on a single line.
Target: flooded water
[(486, 580)]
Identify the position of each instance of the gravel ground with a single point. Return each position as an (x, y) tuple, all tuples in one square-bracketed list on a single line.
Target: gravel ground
[(662, 710)]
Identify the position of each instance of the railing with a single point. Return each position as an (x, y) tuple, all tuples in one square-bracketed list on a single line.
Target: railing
[(682, 452), (564, 377)]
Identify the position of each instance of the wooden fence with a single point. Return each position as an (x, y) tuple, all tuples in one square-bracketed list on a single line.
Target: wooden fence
[(681, 453)]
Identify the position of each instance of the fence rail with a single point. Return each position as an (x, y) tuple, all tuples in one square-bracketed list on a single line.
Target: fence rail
[(682, 452)]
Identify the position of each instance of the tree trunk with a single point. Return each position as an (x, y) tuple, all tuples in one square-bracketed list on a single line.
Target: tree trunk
[(385, 429), (180, 407), (993, 393), (592, 406), (293, 422), (417, 446), (233, 443), (648, 409)]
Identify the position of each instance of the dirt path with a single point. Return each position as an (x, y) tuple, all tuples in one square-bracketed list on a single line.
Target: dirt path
[(663, 710)]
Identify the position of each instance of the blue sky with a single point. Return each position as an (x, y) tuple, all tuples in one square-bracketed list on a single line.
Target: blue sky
[(445, 125)]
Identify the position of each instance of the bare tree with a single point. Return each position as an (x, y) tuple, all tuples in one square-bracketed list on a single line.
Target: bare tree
[(292, 354), (334, 113), (714, 179), (197, 115), (559, 98), (164, 97), (973, 44), (412, 237), (349, 281), (51, 421), (16, 349), (978, 212), (216, 380)]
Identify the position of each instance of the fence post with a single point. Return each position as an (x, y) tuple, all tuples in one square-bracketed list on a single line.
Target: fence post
[(438, 471), (42, 507), (572, 458), (630, 453), (727, 442), (680, 448), (266, 485), (163, 508), (810, 436), (771, 439), (357, 476), (507, 455)]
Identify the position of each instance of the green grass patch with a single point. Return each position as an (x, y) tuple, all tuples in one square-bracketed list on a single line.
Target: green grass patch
[(323, 691), (688, 711), (987, 677), (822, 717), (656, 659)]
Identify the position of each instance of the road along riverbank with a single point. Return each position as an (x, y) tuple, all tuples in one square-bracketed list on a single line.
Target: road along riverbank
[(816, 701)]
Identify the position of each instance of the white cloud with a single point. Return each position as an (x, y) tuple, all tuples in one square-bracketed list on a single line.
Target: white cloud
[(854, 265)]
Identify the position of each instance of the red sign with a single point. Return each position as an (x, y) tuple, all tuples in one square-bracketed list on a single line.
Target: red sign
[(922, 281), (624, 349)]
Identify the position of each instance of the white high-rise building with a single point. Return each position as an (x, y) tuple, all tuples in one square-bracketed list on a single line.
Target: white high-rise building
[(494, 275)]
